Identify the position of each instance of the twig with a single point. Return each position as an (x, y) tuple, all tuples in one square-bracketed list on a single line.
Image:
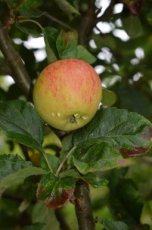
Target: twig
[(47, 161), (4, 68), (15, 62), (88, 21), (83, 207), (64, 160), (47, 15)]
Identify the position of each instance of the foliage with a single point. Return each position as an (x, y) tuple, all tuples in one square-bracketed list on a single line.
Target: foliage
[(41, 168)]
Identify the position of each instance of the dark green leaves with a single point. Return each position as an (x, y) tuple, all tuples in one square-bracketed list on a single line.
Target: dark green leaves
[(21, 123), (116, 127)]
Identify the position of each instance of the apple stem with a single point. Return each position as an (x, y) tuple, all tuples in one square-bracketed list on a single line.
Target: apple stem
[(64, 160)]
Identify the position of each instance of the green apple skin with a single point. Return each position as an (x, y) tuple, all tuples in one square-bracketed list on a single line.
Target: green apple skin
[(67, 94)]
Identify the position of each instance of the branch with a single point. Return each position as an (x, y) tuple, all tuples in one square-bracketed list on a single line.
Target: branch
[(83, 207), (4, 68), (88, 21), (47, 15), (15, 63), (61, 220)]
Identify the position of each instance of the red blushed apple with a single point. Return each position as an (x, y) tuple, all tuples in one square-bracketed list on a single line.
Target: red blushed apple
[(67, 94)]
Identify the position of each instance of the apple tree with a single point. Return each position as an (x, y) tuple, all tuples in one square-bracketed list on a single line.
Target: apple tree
[(97, 176)]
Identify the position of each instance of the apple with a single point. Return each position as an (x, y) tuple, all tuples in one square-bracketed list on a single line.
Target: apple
[(67, 94)]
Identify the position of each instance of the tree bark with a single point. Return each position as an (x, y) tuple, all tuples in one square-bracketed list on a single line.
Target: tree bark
[(83, 207), (15, 62)]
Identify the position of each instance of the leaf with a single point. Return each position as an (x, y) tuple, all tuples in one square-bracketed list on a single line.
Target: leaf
[(146, 215), (10, 164), (14, 170), (31, 13), (66, 45), (133, 26), (37, 226), (29, 8), (85, 55), (50, 184), (99, 157), (29, 28), (42, 214), (67, 182), (67, 8), (53, 162), (51, 57), (95, 180), (98, 144), (21, 123), (46, 186), (109, 97), (50, 37), (114, 225), (118, 127)]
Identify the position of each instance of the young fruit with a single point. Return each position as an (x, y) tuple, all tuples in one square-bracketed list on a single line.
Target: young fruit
[(67, 94)]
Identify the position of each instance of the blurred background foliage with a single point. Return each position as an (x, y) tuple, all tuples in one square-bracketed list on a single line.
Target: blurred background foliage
[(118, 36)]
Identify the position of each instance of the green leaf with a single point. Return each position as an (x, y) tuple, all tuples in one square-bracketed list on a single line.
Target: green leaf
[(14, 170), (147, 213), (51, 57), (106, 40), (99, 157), (31, 13), (29, 28), (28, 8), (21, 123), (98, 144), (53, 162), (66, 182), (114, 225), (149, 16), (66, 45), (43, 214), (47, 186), (70, 173), (67, 8), (10, 164), (109, 97), (50, 37), (37, 226), (96, 180), (133, 26), (85, 55), (118, 127)]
